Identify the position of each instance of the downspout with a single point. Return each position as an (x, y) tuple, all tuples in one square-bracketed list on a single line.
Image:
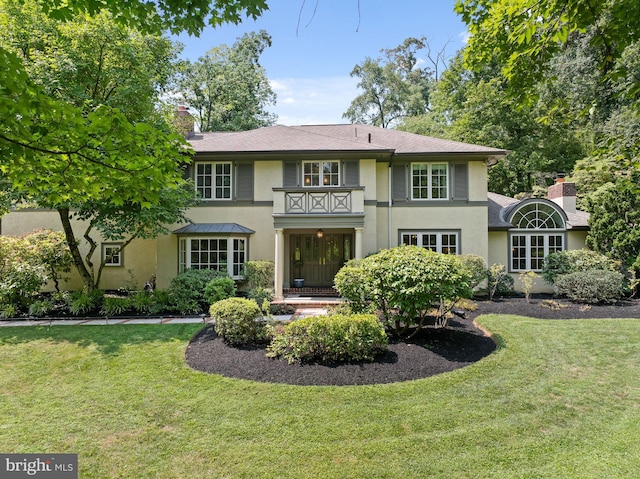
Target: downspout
[(390, 203)]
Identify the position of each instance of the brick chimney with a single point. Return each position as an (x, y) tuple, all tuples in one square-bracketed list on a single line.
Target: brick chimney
[(184, 121), (563, 193)]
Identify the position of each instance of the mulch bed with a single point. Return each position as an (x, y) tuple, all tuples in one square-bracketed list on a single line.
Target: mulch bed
[(432, 352)]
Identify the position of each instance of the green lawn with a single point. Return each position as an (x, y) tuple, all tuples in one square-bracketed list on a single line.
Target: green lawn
[(558, 399)]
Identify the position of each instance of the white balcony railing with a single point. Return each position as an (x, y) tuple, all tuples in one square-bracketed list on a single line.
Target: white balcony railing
[(318, 201)]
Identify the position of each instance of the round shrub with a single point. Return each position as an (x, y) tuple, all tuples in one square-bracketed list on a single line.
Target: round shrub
[(572, 261), (328, 339), (352, 282), (591, 287), (235, 320), (186, 291), (218, 289)]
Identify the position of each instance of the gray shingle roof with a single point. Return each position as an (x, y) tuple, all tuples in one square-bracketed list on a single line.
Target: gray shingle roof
[(500, 205), (347, 138)]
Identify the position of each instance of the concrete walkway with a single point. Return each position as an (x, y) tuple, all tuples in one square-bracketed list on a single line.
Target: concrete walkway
[(299, 313)]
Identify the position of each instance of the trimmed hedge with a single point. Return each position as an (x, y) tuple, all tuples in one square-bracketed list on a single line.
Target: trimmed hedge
[(328, 339), (236, 321), (591, 287)]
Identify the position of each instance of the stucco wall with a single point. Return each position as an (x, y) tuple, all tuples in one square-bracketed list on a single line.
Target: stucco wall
[(139, 258)]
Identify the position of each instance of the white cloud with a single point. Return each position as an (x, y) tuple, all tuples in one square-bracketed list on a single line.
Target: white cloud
[(306, 101)]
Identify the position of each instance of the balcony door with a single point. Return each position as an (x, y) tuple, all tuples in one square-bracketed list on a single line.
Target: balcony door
[(318, 259)]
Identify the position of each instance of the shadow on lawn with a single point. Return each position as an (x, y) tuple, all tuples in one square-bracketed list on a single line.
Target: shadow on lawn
[(107, 339)]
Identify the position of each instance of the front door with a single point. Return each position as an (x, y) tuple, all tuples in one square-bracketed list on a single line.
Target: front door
[(318, 259)]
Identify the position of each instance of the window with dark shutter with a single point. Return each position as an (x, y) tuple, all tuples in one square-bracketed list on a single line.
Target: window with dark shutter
[(244, 182), (291, 178), (461, 181), (351, 173), (399, 182)]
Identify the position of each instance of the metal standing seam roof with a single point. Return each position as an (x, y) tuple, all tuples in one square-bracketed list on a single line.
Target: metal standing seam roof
[(213, 228)]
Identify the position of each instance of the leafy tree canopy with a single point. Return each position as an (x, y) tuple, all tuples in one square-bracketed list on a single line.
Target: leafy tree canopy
[(160, 15), (227, 89), (523, 35)]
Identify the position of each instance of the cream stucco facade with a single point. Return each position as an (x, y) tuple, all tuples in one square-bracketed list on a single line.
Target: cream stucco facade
[(311, 198)]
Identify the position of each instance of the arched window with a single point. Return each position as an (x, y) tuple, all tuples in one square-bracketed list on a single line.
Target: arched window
[(538, 230)]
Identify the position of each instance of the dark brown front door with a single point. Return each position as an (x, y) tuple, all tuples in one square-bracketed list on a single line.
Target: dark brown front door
[(317, 260)]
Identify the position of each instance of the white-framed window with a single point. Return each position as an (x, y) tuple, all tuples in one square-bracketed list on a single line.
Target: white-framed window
[(447, 242), (539, 230), (429, 181), (213, 180), (112, 254), (224, 254), (321, 173)]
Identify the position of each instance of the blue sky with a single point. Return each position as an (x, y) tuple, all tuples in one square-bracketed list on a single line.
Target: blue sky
[(316, 44)]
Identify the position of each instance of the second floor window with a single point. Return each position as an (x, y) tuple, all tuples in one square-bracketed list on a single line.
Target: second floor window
[(321, 173), (438, 241), (213, 181), (429, 181)]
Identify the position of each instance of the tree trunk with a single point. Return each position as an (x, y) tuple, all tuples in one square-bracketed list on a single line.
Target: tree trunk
[(86, 276)]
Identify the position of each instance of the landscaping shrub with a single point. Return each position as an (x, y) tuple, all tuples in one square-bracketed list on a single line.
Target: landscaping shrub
[(591, 287), (353, 282), (115, 305), (499, 281), (259, 274), (236, 321), (84, 302), (262, 297), (328, 339), (187, 290), (564, 262), (218, 289), (406, 284), (476, 267)]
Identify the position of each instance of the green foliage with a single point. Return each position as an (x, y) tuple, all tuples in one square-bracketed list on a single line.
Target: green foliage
[(615, 220), (260, 295), (172, 15), (237, 321), (591, 286), (28, 262), (85, 301), (527, 280), (476, 267), (227, 89), (406, 283), (329, 339), (395, 87), (500, 282), (571, 261), (259, 274), (114, 306), (353, 281), (40, 308), (187, 290), (218, 289), (73, 97)]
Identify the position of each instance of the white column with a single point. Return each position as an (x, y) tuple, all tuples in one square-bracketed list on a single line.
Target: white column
[(279, 264), (358, 252)]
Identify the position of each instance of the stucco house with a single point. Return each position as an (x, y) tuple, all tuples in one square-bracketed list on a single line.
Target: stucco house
[(312, 197)]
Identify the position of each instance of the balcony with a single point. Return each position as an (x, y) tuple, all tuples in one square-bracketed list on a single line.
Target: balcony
[(318, 201)]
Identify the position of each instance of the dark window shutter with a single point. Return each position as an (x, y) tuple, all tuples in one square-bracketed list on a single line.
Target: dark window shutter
[(351, 173), (290, 173), (399, 183), (461, 181), (244, 181)]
